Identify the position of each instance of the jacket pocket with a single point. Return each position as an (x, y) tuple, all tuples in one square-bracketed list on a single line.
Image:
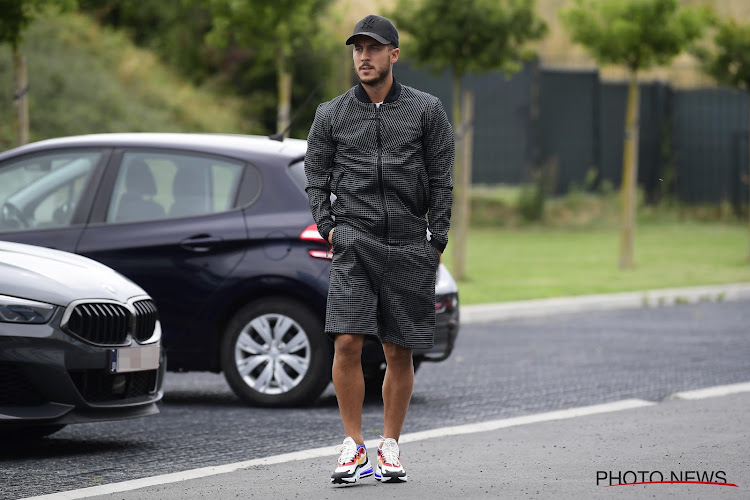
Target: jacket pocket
[(337, 182), (432, 254), (339, 238), (425, 191)]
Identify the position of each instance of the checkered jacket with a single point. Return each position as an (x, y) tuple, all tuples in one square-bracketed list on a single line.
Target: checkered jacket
[(389, 167)]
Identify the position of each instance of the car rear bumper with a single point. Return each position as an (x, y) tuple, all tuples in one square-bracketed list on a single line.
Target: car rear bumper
[(446, 333), (446, 330)]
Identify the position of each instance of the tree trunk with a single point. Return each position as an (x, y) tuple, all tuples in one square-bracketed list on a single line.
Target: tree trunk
[(459, 231), (348, 76), (630, 176), (467, 133), (284, 83), (20, 97)]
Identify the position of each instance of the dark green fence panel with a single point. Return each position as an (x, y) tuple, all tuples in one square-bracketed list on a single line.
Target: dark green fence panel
[(569, 123), (653, 153), (612, 121), (692, 143), (708, 147), (501, 127), (501, 119), (740, 175)]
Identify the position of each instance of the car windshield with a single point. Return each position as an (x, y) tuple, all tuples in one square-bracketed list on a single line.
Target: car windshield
[(42, 191)]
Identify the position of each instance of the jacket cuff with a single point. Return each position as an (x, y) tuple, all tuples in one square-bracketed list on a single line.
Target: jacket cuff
[(325, 230), (438, 245)]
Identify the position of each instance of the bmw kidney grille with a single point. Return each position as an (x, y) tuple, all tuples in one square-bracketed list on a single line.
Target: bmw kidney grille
[(110, 324)]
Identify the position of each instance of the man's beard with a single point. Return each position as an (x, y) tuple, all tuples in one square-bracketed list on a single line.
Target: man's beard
[(378, 79)]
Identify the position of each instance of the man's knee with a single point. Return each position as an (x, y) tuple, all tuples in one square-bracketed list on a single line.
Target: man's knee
[(395, 354), (348, 345)]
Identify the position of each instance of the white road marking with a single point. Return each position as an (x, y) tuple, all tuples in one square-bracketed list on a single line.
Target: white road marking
[(135, 484), (491, 425), (711, 392)]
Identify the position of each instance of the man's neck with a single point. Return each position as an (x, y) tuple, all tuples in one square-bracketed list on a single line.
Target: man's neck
[(378, 93)]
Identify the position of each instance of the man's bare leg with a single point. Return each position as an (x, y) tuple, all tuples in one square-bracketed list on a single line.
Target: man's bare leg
[(349, 383), (397, 388)]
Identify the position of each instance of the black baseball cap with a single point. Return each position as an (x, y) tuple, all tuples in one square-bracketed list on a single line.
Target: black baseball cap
[(377, 27)]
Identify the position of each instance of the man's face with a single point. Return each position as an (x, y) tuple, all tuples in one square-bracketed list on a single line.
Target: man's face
[(373, 60)]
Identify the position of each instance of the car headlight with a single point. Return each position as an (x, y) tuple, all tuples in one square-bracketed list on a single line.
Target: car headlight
[(15, 310)]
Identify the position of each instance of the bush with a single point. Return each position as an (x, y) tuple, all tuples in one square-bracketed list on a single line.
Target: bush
[(531, 202), (84, 79)]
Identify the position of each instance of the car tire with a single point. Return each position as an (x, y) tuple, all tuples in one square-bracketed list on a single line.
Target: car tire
[(374, 376), (275, 353)]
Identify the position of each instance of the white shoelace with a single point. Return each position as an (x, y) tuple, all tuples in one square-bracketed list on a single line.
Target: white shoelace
[(348, 451), (391, 452)]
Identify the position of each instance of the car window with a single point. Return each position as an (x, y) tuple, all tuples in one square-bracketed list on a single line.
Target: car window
[(297, 169), (153, 186), (42, 191)]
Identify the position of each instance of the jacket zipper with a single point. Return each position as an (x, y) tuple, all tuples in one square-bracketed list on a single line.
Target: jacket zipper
[(380, 174)]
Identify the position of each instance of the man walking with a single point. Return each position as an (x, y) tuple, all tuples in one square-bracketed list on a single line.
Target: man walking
[(386, 151)]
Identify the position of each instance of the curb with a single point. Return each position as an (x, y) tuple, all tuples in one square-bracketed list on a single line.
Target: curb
[(484, 313)]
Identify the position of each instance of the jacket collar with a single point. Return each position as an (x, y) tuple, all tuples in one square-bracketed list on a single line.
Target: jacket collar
[(393, 94)]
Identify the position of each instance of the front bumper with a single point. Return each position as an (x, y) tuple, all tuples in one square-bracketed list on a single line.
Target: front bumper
[(51, 378)]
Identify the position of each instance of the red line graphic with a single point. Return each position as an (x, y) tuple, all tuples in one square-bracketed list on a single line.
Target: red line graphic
[(673, 482)]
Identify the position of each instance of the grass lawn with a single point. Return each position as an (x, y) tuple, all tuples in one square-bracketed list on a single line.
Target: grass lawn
[(528, 263)]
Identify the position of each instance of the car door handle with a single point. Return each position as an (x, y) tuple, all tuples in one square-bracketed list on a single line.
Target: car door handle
[(200, 243)]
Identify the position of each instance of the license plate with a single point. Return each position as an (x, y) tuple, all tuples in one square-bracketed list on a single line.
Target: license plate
[(134, 359)]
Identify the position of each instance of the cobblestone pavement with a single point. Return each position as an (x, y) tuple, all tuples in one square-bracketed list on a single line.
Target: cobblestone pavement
[(497, 370)]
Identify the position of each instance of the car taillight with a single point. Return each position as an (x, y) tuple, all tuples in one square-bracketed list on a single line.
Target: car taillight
[(311, 234), (445, 303)]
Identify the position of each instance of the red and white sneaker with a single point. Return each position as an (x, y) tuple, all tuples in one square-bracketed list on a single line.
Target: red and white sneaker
[(353, 463), (389, 468)]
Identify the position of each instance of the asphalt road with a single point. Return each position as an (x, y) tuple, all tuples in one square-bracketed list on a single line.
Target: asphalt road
[(498, 370)]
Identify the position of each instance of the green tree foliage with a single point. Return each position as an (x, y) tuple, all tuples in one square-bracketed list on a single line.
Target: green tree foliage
[(637, 34), (241, 56), (87, 79), (15, 17), (173, 29), (468, 36), (275, 30), (729, 63)]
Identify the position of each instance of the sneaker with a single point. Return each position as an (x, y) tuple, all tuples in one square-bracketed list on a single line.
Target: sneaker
[(388, 468), (353, 463)]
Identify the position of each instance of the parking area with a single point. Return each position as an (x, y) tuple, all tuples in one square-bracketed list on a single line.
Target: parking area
[(499, 370)]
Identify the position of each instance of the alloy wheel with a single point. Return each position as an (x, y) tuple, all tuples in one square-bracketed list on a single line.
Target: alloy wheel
[(272, 354)]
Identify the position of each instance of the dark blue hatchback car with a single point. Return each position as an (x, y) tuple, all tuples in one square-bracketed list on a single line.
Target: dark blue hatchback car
[(217, 229)]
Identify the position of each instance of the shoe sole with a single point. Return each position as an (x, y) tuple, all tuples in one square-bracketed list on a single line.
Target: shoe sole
[(362, 472), (390, 478)]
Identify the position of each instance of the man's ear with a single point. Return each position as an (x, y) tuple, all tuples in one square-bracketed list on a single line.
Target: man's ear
[(394, 54)]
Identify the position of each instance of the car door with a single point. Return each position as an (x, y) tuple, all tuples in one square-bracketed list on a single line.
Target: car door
[(46, 196), (168, 221)]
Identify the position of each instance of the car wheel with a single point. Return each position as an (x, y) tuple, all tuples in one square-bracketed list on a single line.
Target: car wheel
[(274, 353), (17, 435), (374, 376)]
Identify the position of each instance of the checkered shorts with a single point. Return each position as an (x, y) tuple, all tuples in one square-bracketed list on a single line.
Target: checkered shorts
[(383, 290)]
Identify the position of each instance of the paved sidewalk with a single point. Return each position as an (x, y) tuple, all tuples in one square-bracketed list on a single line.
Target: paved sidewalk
[(483, 313), (690, 438)]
